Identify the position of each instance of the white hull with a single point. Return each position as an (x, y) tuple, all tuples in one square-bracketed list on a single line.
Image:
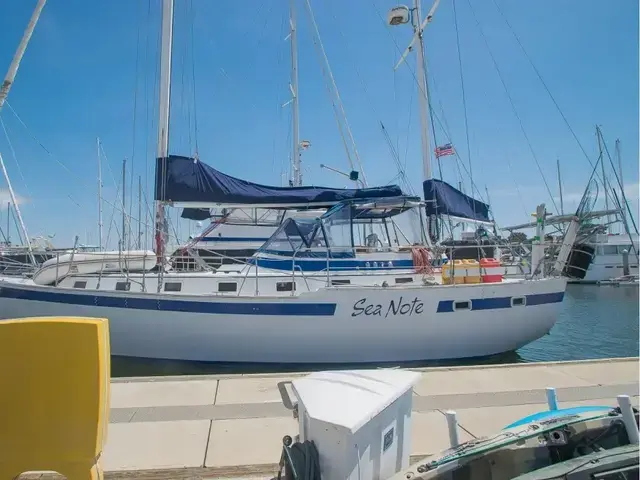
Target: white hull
[(331, 325), (608, 260), (600, 271)]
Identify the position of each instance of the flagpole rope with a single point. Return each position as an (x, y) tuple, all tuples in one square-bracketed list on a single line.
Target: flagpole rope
[(464, 99), (513, 107)]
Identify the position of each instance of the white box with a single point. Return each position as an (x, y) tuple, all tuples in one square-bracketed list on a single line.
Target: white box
[(360, 421)]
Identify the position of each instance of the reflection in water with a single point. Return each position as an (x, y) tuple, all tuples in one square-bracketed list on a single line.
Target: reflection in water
[(595, 322)]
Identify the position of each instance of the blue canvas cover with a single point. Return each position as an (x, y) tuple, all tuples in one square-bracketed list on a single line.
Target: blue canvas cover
[(185, 180), (443, 199)]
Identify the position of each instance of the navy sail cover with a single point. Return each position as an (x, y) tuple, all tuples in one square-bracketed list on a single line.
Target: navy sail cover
[(443, 199), (186, 180)]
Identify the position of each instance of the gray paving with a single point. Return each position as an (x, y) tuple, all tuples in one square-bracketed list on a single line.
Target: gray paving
[(232, 426)]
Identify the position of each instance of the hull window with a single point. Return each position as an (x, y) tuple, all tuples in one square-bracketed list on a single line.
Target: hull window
[(172, 286), (404, 280), (123, 286), (285, 286), (464, 305), (340, 282), (227, 287), (80, 285), (518, 301)]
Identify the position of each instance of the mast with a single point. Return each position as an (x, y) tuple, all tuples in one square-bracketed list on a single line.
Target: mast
[(163, 125), (619, 157), (124, 205), (296, 168), (99, 197), (22, 46), (560, 187), (621, 178), (422, 93), (17, 210), (8, 223), (401, 15), (139, 212), (604, 178)]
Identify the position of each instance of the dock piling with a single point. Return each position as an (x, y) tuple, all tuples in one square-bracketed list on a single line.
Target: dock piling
[(452, 424)]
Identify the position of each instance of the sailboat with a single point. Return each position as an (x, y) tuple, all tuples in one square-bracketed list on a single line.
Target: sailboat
[(351, 286)]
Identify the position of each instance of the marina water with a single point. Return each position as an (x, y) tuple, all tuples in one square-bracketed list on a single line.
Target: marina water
[(595, 322)]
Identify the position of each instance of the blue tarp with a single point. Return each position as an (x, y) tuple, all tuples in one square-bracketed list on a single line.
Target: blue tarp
[(443, 199), (185, 180)]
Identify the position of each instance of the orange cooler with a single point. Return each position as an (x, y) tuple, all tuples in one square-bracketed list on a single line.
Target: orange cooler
[(453, 272), (473, 271), (491, 270)]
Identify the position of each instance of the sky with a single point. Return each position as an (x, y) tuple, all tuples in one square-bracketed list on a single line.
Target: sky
[(91, 71)]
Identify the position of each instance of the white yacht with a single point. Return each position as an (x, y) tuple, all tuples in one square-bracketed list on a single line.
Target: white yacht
[(608, 259)]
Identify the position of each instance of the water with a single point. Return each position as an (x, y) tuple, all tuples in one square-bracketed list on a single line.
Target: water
[(595, 322)]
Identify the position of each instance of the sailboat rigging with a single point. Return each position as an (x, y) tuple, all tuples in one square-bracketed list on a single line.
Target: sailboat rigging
[(320, 290)]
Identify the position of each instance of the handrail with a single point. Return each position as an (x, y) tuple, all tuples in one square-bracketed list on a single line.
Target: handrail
[(211, 260)]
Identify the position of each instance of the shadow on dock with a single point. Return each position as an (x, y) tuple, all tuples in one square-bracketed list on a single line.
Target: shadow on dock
[(144, 367)]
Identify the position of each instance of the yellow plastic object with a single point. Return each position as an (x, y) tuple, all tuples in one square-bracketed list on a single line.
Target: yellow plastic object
[(54, 395), (453, 272), (473, 271)]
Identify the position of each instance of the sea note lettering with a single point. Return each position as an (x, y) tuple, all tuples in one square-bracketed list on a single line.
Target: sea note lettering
[(394, 308)]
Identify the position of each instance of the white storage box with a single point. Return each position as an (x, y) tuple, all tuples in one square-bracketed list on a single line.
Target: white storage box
[(360, 421)]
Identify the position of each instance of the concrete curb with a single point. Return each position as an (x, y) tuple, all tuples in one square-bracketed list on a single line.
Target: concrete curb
[(243, 472), (184, 378)]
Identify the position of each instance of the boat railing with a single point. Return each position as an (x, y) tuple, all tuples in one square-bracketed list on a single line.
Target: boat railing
[(12, 267), (332, 272), (516, 264)]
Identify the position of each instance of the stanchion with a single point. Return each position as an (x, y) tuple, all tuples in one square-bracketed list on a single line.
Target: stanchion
[(452, 423), (552, 398)]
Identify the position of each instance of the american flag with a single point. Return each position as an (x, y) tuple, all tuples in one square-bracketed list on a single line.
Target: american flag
[(445, 150)]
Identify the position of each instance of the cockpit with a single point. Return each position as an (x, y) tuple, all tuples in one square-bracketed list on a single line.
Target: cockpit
[(351, 227)]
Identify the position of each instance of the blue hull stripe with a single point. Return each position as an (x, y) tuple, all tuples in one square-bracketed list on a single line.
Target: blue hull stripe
[(496, 303), (161, 304), (545, 298)]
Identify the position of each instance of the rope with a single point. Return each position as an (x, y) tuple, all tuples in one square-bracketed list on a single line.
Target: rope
[(322, 52), (513, 106), (15, 158), (300, 461), (421, 258), (464, 98), (543, 83)]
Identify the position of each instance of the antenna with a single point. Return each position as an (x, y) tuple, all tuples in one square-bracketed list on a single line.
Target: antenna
[(99, 197)]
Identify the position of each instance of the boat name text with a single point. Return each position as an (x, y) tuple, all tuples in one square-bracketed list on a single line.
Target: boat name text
[(394, 308)]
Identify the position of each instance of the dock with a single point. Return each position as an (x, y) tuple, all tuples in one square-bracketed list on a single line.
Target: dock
[(231, 426)]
